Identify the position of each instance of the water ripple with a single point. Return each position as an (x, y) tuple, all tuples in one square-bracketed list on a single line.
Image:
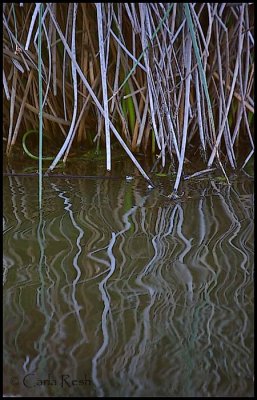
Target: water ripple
[(146, 297)]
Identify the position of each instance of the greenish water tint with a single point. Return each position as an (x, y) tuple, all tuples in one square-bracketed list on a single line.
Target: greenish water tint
[(115, 290)]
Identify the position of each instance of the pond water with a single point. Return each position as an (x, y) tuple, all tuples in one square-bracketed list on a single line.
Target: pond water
[(116, 290)]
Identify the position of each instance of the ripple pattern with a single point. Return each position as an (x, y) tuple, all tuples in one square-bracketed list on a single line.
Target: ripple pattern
[(127, 293)]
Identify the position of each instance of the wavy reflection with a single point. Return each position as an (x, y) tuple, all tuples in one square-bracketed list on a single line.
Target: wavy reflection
[(129, 293)]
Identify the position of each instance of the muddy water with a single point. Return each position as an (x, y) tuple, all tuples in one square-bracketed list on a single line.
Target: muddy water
[(115, 290)]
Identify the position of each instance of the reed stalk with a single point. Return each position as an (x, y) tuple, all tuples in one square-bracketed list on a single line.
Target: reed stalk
[(40, 99)]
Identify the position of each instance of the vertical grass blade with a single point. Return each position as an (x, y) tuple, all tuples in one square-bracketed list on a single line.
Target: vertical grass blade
[(68, 141), (188, 52), (104, 84), (40, 98), (13, 95)]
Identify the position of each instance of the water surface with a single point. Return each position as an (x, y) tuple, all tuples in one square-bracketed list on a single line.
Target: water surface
[(115, 290)]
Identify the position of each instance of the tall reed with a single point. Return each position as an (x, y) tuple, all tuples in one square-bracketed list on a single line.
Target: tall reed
[(40, 94)]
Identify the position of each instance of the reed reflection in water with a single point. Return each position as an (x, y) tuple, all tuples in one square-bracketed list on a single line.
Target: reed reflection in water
[(126, 292)]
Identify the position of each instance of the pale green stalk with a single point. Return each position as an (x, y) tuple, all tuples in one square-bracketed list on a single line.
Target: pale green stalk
[(40, 149)]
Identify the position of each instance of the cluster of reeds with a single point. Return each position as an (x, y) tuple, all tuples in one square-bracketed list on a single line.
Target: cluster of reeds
[(156, 77)]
